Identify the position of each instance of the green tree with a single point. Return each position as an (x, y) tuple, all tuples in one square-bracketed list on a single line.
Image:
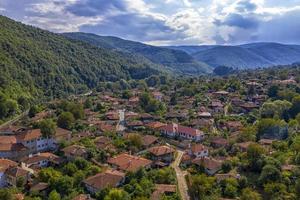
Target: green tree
[(54, 195), (117, 194), (48, 127), (33, 111), (65, 120), (268, 174), (202, 186), (295, 109), (249, 194)]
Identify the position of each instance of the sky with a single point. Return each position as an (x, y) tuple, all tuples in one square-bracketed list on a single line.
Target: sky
[(166, 22)]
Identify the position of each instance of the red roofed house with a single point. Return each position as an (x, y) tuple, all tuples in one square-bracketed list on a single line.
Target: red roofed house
[(74, 151), (162, 153), (110, 178), (13, 174), (199, 150), (4, 165), (128, 162), (210, 165), (41, 160), (173, 130)]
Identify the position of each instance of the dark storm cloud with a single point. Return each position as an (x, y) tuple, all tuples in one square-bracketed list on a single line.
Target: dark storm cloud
[(89, 8), (134, 26), (238, 20)]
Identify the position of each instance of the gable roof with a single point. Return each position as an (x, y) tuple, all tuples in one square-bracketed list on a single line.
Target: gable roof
[(6, 163), (128, 162), (161, 150), (148, 140), (102, 180)]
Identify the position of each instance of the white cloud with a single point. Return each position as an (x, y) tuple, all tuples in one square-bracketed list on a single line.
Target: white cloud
[(186, 21)]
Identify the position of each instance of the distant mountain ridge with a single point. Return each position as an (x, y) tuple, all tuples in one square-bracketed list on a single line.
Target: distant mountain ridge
[(172, 59), (247, 56)]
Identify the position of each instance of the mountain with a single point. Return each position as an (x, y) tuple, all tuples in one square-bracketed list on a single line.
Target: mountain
[(174, 60), (35, 62), (245, 56)]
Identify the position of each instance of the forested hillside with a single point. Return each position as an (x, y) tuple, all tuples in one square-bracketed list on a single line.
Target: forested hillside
[(171, 59), (248, 56), (36, 63)]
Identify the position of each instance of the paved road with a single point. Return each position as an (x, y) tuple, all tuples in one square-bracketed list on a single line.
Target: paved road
[(182, 186)]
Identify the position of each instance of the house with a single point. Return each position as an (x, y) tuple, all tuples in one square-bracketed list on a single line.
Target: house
[(146, 117), (243, 146), (157, 95), (61, 135), (126, 162), (74, 151), (13, 151), (176, 130), (4, 165), (149, 140), (204, 115), (135, 125), (98, 182), (219, 142), (161, 189), (34, 141), (266, 142), (211, 165), (248, 106), (217, 107), (198, 151), (14, 174), (40, 188), (162, 153), (41, 160), (155, 125), (233, 126)]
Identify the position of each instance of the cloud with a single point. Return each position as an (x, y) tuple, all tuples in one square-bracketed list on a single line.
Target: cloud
[(241, 21), (165, 22), (89, 8)]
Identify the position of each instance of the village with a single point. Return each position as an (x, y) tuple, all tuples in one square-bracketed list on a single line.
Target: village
[(158, 143)]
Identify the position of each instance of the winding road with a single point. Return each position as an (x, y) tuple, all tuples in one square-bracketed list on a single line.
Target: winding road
[(182, 186)]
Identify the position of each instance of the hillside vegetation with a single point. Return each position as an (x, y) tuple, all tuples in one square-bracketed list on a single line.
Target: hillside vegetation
[(175, 60), (248, 56), (36, 63)]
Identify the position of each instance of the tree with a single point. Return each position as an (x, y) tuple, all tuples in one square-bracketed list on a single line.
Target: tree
[(48, 127), (226, 166), (135, 140), (12, 106), (273, 91), (268, 174), (249, 194), (202, 186), (254, 155), (275, 190), (33, 111), (88, 103), (127, 94), (6, 194), (295, 109), (54, 195), (117, 194), (65, 120)]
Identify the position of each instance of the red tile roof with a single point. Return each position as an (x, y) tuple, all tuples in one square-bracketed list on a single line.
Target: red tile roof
[(161, 150), (149, 139), (110, 178), (5, 164), (198, 148), (128, 162)]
